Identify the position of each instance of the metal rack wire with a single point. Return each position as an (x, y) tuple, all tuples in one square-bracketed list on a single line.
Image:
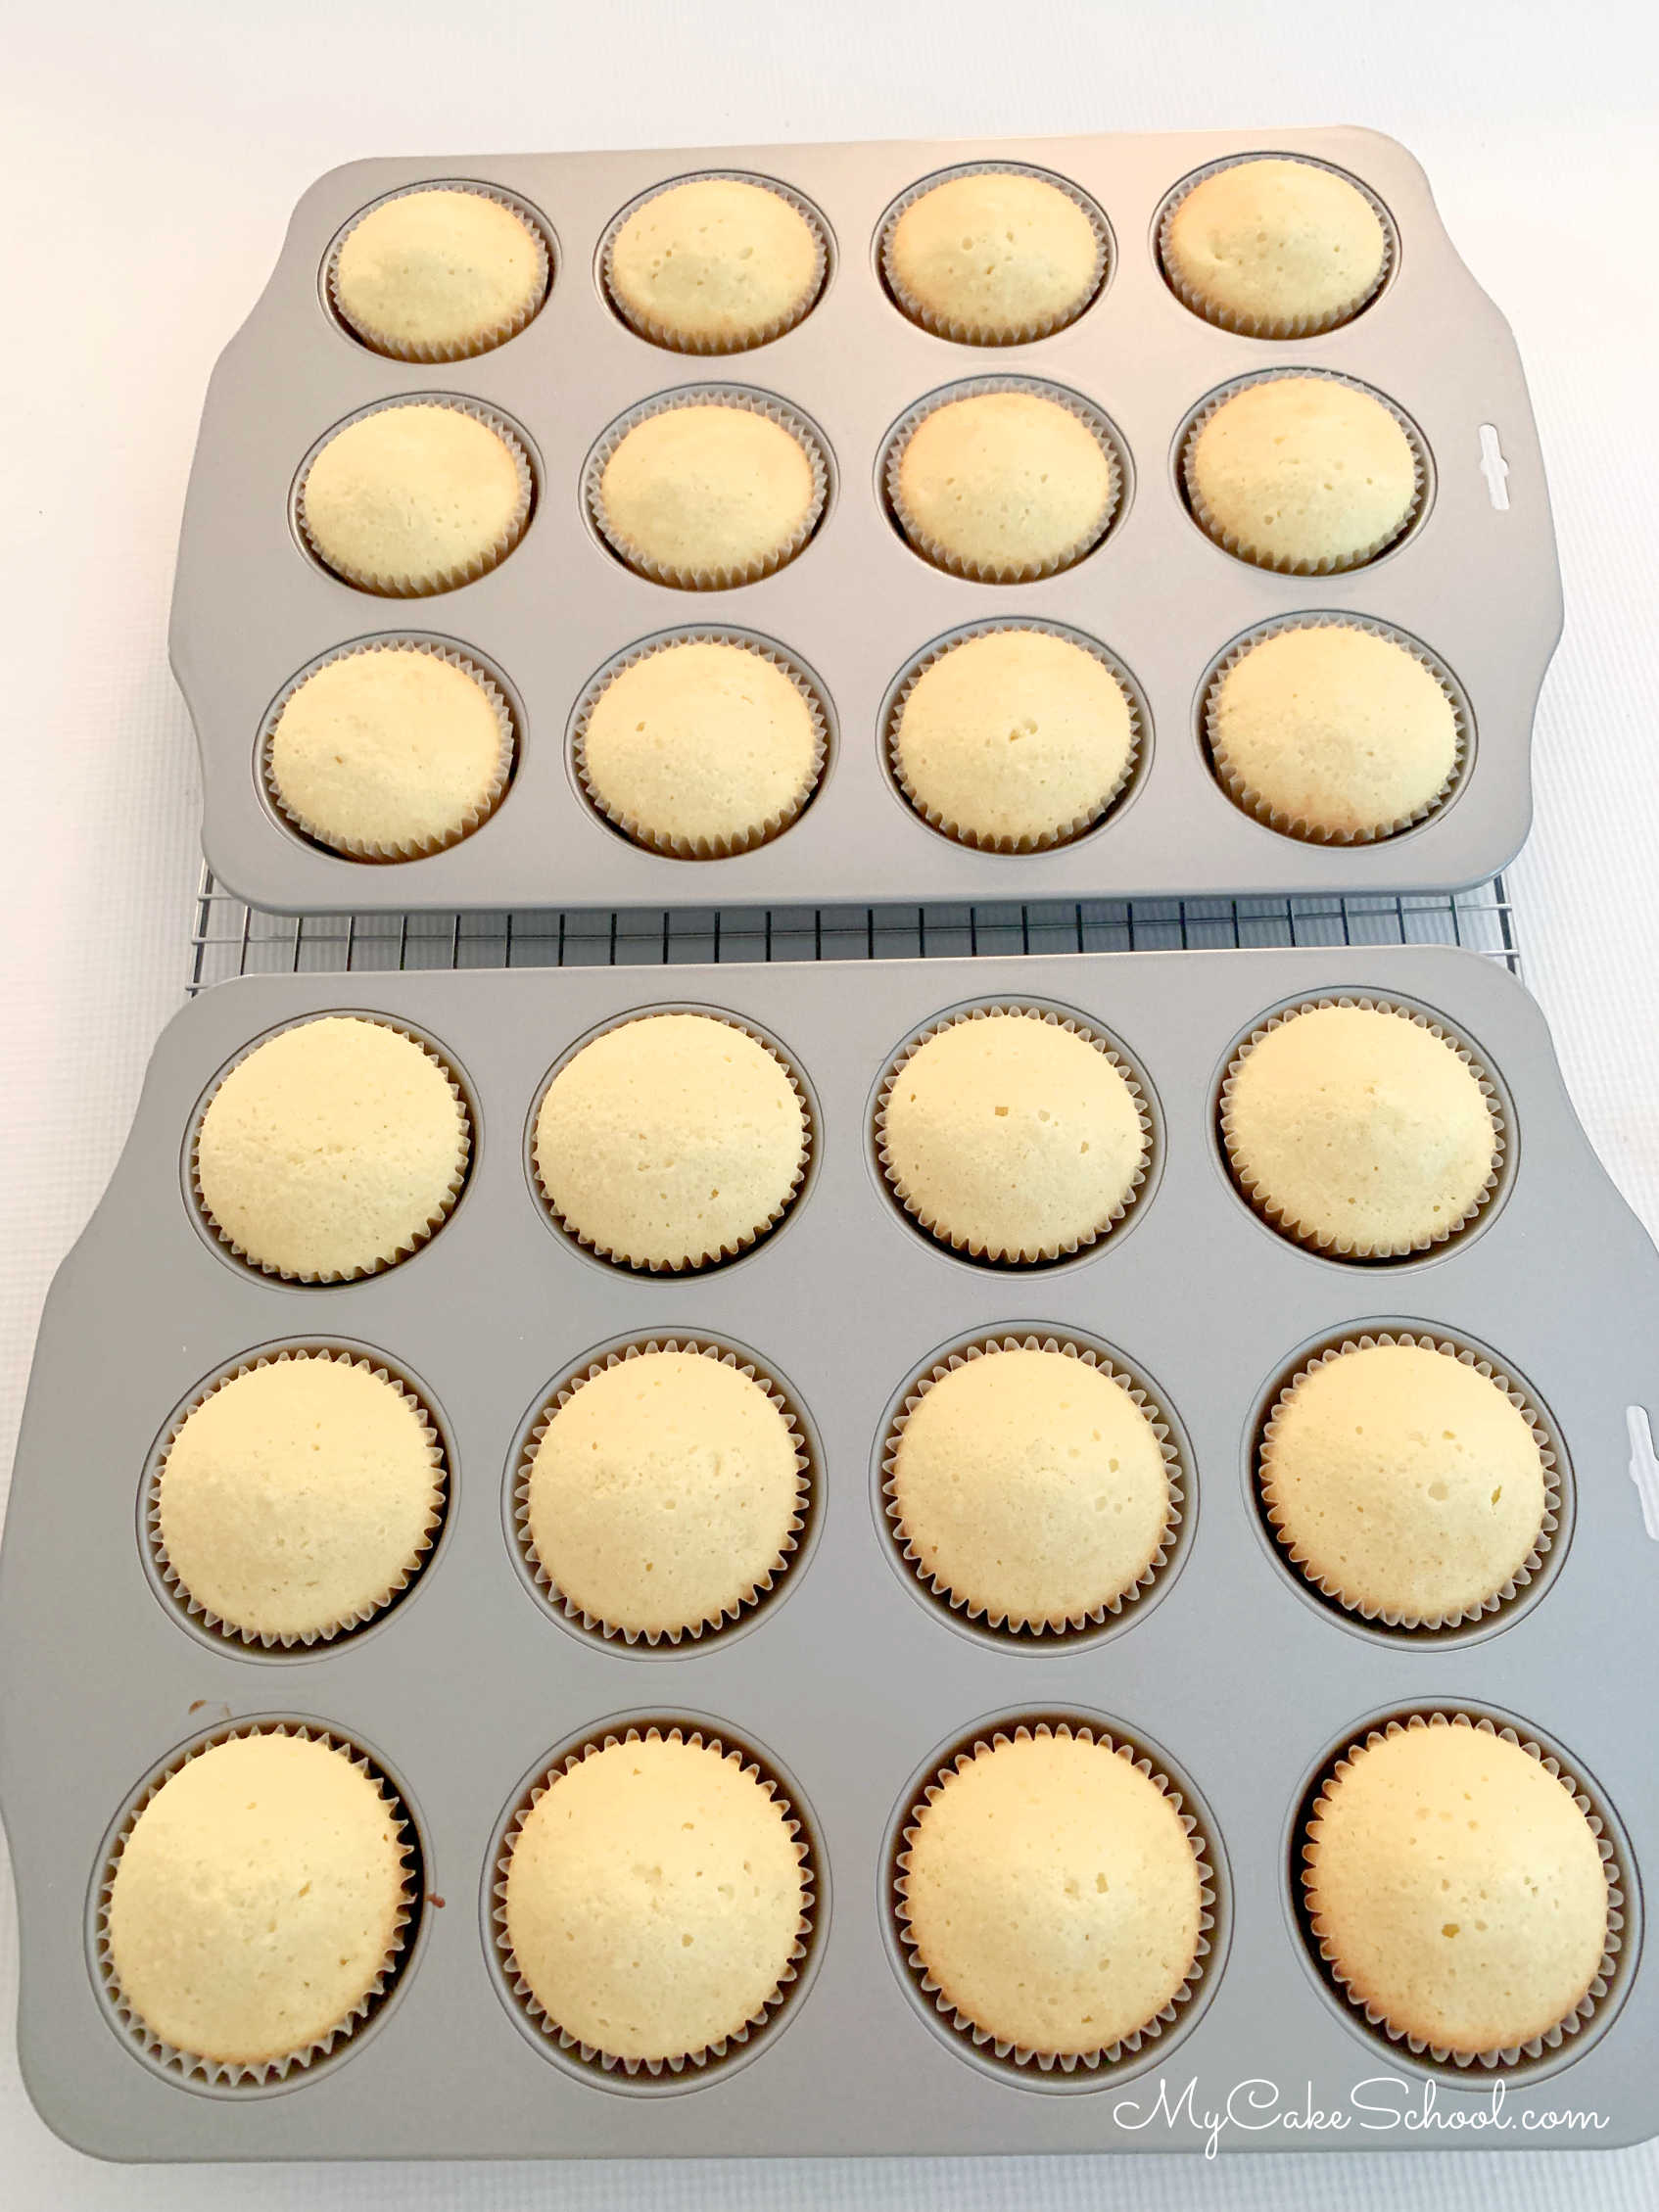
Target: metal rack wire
[(230, 939)]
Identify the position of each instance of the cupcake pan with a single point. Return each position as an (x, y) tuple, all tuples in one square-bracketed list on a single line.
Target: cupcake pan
[(850, 1679), (1477, 587)]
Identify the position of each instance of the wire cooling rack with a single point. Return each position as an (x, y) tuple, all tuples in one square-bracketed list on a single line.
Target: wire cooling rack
[(231, 939)]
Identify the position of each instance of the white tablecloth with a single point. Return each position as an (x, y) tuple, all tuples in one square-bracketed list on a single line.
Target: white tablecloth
[(150, 155)]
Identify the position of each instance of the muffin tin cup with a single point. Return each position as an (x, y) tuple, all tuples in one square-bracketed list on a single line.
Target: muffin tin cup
[(1513, 1584), (1094, 419), (1336, 1247), (1272, 326), (1064, 832), (225, 1241), (429, 582), (956, 328), (1051, 1624), (700, 579), (1019, 2055), (759, 334), (759, 832), (663, 2070), (966, 1245), (743, 1601), (398, 849), (1607, 1973), (1230, 543), (851, 1682), (736, 1247), (358, 1616), (497, 333), (191, 2066), (1252, 802)]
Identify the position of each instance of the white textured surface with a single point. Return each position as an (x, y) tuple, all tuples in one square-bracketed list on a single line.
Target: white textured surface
[(151, 157)]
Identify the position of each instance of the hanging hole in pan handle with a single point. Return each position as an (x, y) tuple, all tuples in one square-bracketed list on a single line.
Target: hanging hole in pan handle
[(1645, 1467), (1495, 468)]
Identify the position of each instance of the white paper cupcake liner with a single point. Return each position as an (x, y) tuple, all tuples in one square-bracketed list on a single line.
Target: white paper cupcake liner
[(1251, 801), (1332, 565), (1052, 1627), (1508, 2054), (1273, 326), (732, 1249), (954, 327), (1343, 1247), (391, 850), (1390, 1617), (428, 583), (766, 826), (497, 333), (1021, 2055), (435, 1221), (805, 433), (203, 1616), (191, 2066), (656, 2069), (994, 1011), (761, 334), (745, 1601), (1064, 833), (1093, 420)]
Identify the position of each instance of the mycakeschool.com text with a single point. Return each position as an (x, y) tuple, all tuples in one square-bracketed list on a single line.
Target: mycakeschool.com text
[(1383, 2105)]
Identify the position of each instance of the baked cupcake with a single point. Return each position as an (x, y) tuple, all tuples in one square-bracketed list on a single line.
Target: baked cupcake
[(1014, 739), (1360, 1129), (663, 1492), (439, 273), (257, 1905), (298, 1498), (417, 497), (1052, 1897), (701, 747), (707, 493), (1331, 732), (1012, 1135), (1408, 1482), (1003, 484), (333, 1150), (1457, 1890), (1031, 1487), (388, 752), (655, 1898), (1274, 247), (1305, 474), (715, 264), (671, 1142), (994, 256)]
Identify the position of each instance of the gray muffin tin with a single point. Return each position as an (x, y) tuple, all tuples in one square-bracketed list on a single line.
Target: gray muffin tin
[(1473, 583), (1229, 1673)]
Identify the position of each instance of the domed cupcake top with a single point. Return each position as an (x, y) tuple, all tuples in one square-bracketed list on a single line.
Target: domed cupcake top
[(1456, 1889), (1274, 247), (1305, 474), (439, 273), (1405, 1481), (655, 1898), (715, 264), (334, 1148), (993, 255), (1052, 1893), (673, 1141), (256, 1902), (1358, 1128), (1012, 1136), (1003, 484)]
